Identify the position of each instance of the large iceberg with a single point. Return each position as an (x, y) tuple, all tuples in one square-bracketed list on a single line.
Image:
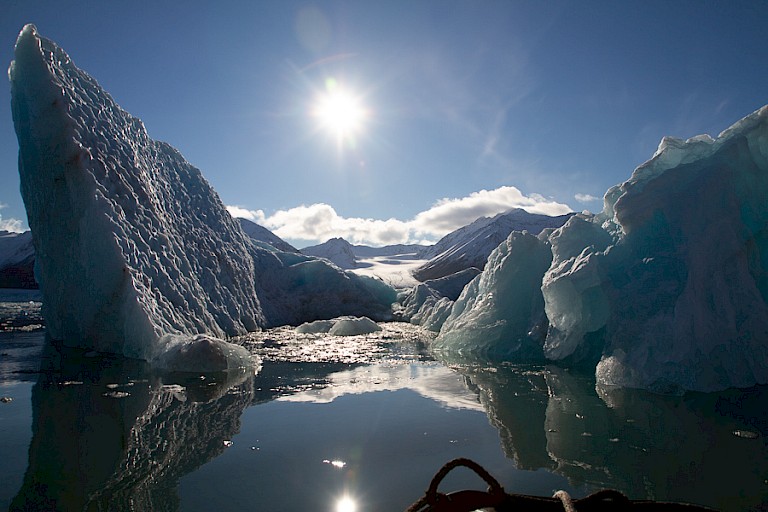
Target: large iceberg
[(665, 289), (135, 252)]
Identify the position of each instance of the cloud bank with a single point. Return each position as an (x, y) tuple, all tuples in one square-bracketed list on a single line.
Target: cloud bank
[(12, 225), (319, 222)]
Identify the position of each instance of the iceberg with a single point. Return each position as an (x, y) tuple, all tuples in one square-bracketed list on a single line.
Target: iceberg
[(133, 247), (666, 289), (500, 313), (429, 303), (342, 326)]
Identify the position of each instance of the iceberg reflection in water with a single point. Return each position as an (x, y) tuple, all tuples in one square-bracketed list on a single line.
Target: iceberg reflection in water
[(110, 435), (705, 448), (304, 435)]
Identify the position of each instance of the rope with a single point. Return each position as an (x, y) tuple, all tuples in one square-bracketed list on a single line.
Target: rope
[(433, 498), (566, 500), (495, 498)]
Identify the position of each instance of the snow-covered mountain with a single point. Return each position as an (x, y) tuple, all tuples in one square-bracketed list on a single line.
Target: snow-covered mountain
[(17, 260), (135, 252), (261, 234), (336, 250), (470, 245)]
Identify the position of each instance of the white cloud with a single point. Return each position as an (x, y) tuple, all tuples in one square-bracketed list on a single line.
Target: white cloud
[(12, 225), (449, 214), (586, 198), (319, 222), (256, 216)]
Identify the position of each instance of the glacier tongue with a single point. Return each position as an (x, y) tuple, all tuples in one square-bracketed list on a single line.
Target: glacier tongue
[(666, 289), (135, 252)]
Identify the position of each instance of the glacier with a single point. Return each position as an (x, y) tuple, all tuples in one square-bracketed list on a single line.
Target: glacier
[(135, 252), (666, 289)]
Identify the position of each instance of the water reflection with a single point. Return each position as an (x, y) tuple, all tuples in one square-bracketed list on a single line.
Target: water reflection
[(648, 446), (108, 434)]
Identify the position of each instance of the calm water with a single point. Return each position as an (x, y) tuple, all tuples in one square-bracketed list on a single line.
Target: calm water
[(367, 419)]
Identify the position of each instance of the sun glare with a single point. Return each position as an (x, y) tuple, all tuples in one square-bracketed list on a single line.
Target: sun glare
[(340, 113), (346, 504)]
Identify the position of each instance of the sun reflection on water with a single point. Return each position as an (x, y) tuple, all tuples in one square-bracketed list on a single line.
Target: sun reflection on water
[(346, 504)]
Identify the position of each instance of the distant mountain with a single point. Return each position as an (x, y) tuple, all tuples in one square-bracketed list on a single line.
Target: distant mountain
[(364, 251), (337, 250), (470, 246), (17, 260), (262, 234)]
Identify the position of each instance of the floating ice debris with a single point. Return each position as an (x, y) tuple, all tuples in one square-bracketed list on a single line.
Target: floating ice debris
[(228, 443), (113, 386), (746, 434), (6, 399), (172, 388), (178, 392), (335, 463), (116, 394), (72, 383)]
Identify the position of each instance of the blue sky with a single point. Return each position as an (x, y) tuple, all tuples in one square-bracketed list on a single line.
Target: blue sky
[(473, 107)]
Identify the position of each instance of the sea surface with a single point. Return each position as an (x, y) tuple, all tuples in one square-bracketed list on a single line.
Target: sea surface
[(349, 424)]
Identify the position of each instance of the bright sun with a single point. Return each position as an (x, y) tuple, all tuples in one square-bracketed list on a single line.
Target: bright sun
[(340, 113)]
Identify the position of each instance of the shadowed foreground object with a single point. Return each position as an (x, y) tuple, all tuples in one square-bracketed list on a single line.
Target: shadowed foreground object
[(497, 499)]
